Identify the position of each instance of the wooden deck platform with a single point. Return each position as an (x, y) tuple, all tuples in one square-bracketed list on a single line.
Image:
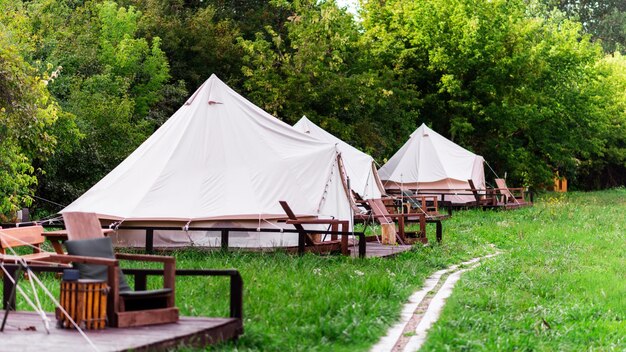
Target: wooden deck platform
[(375, 249), (25, 332)]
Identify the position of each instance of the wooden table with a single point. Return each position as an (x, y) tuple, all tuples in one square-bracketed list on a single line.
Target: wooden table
[(57, 238)]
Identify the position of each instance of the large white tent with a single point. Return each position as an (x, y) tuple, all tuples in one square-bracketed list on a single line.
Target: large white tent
[(360, 167), (430, 161), (220, 161)]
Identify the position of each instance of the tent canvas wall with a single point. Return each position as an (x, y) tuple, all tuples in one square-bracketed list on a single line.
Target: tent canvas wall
[(430, 161), (220, 161), (360, 167)]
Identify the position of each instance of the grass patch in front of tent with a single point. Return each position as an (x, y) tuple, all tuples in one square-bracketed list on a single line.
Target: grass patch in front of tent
[(310, 302), (326, 303), (561, 263)]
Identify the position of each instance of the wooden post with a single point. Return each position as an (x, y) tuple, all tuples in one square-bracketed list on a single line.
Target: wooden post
[(169, 280), (301, 240), (362, 244), (141, 282), (389, 233), (344, 238), (8, 292), (236, 296), (114, 294), (224, 241), (439, 231), (149, 241)]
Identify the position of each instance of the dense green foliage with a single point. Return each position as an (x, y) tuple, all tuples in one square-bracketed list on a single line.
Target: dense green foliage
[(604, 20), (110, 80), (557, 264), (523, 83), (30, 119)]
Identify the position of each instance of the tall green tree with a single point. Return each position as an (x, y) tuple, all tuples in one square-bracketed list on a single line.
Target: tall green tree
[(507, 85), (321, 68), (111, 79), (607, 106), (604, 20), (30, 119), (197, 41)]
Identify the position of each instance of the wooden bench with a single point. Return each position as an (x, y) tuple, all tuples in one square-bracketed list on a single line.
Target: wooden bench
[(23, 236)]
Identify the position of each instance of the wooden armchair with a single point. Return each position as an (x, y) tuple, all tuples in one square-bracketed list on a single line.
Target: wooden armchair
[(512, 197), (93, 255), (427, 204), (313, 240), (486, 200), (389, 210), (95, 260)]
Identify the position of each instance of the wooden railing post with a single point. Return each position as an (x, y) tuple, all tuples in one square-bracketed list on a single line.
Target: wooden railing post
[(141, 282), (149, 241), (236, 296), (8, 293), (362, 245), (301, 242), (224, 242)]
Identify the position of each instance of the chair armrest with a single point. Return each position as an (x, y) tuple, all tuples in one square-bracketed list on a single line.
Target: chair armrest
[(169, 269), (313, 221), (145, 257), (67, 258)]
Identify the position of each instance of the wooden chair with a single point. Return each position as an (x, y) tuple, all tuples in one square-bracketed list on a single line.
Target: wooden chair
[(93, 254), (23, 236), (512, 197), (483, 199), (413, 203), (389, 209), (486, 200), (313, 241)]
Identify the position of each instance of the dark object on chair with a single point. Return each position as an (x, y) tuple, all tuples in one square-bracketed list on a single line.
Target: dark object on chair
[(71, 275), (127, 307)]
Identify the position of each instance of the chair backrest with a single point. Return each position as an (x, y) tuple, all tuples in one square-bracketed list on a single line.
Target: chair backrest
[(408, 196), (474, 190), (95, 247), (503, 189), (292, 216), (81, 226), (380, 211), (21, 236)]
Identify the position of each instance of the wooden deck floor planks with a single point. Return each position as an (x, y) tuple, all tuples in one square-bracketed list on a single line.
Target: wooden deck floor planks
[(196, 331)]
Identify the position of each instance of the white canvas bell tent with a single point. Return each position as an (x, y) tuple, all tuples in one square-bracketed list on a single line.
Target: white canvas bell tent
[(360, 167), (219, 161), (430, 161)]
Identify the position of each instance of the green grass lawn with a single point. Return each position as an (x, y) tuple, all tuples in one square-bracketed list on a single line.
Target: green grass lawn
[(560, 285), (563, 262)]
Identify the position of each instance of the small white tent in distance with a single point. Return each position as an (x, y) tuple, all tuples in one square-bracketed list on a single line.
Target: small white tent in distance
[(429, 161), (220, 161), (360, 167)]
